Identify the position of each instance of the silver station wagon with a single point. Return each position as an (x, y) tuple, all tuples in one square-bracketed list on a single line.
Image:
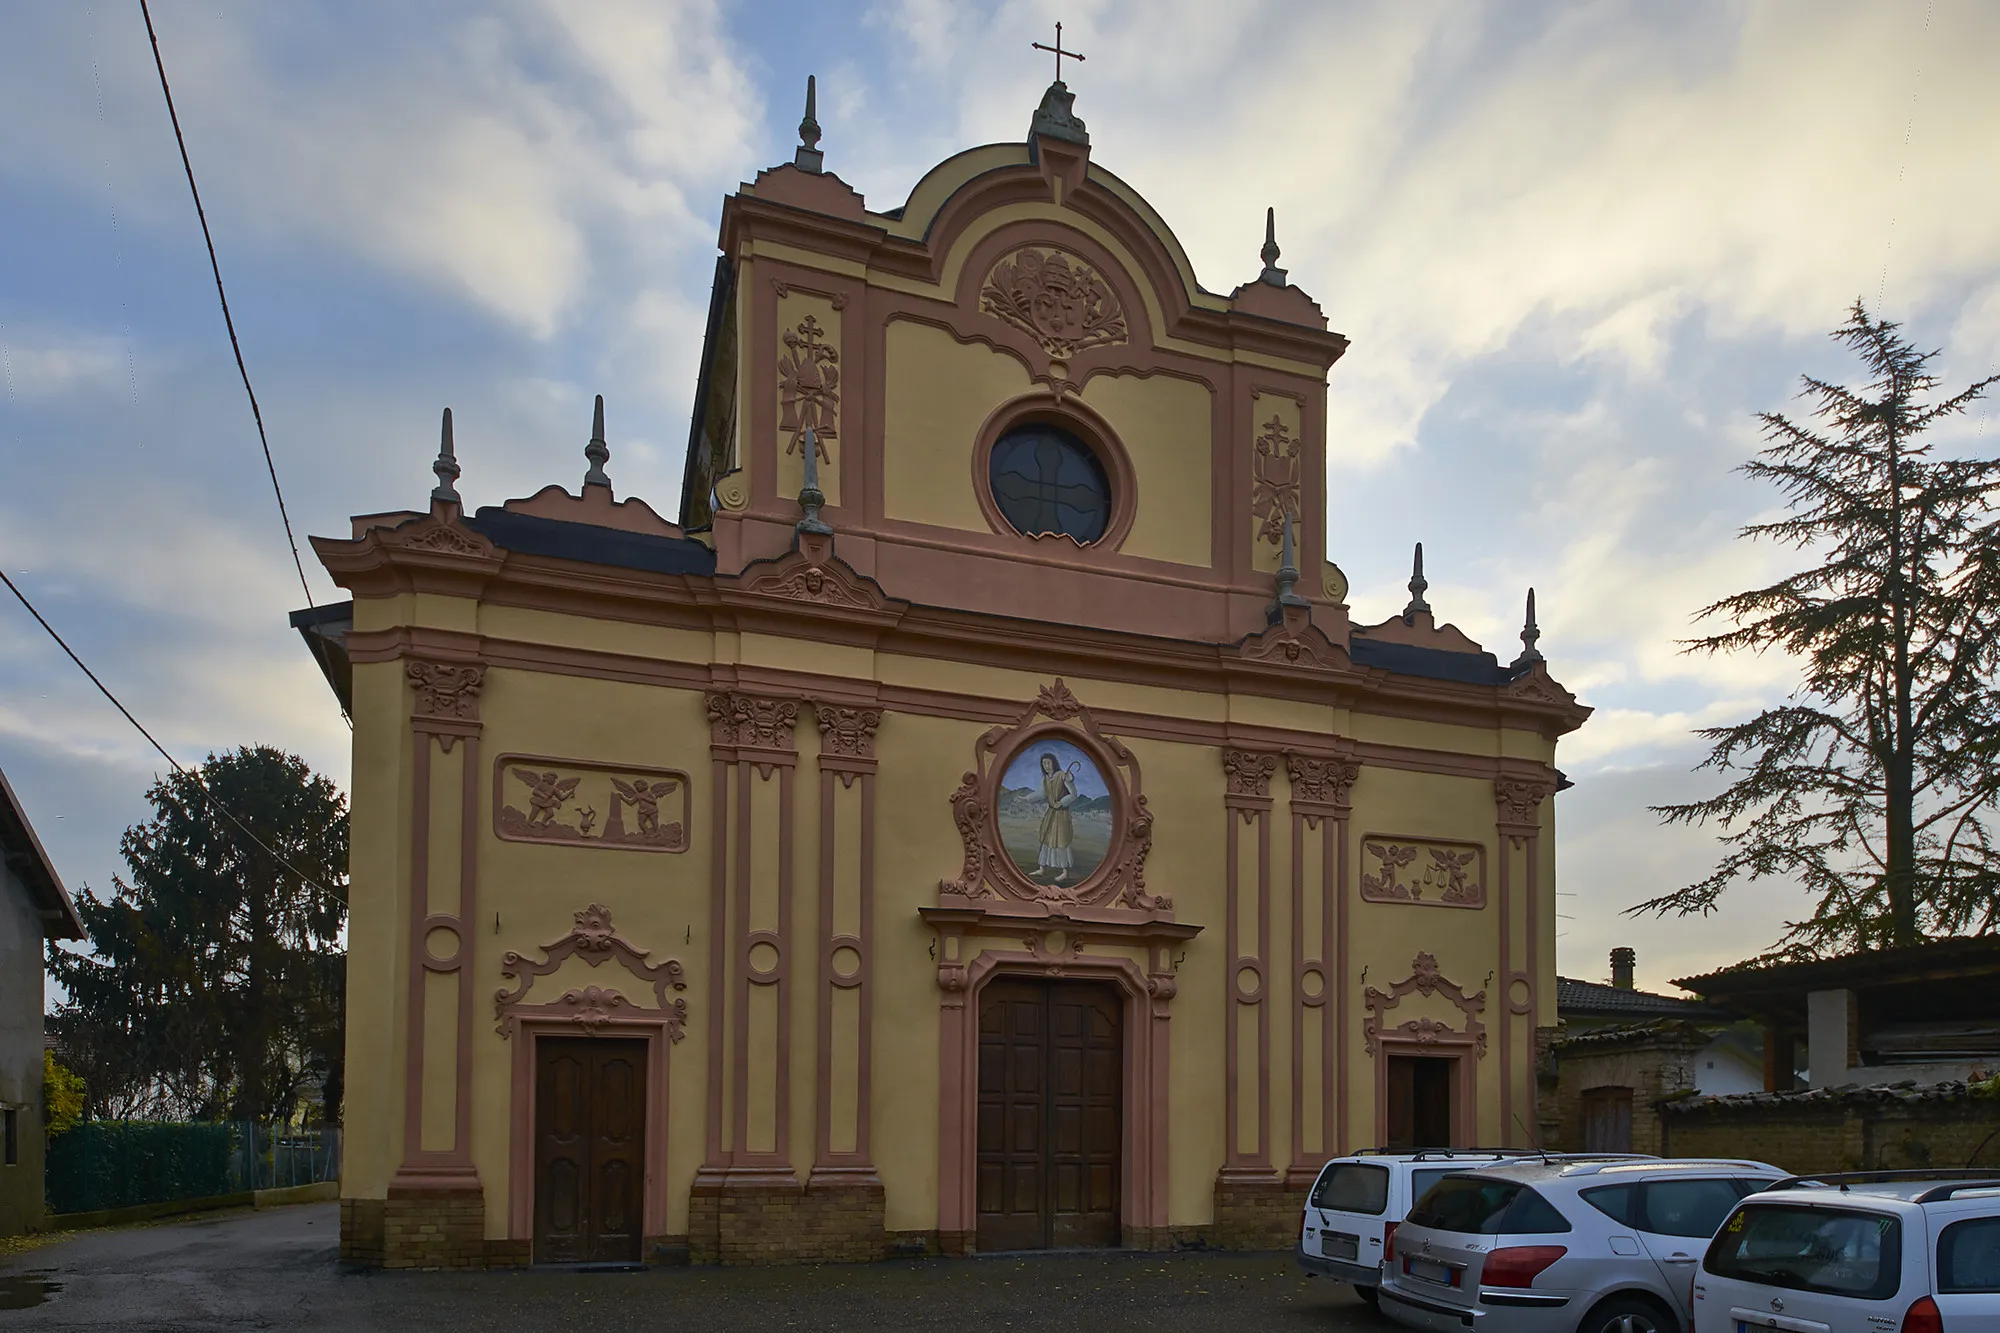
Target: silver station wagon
[(1562, 1247)]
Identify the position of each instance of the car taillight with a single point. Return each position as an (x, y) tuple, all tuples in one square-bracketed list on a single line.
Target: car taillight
[(1389, 1241), (1518, 1265), (1923, 1317)]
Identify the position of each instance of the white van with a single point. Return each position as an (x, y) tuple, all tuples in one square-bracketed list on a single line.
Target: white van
[(1871, 1251), (1356, 1202)]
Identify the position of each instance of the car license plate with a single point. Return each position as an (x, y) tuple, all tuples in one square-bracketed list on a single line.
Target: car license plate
[(1338, 1245), (1430, 1272)]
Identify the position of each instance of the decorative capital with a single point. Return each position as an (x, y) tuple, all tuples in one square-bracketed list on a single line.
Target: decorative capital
[(846, 733), (1317, 781), (1520, 803), (749, 722), (1249, 773), (446, 690)]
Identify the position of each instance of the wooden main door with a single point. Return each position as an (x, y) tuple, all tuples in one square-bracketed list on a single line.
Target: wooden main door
[(590, 1158), (1051, 1126)]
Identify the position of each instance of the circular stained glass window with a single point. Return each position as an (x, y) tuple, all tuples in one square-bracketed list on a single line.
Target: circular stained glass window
[(1047, 482)]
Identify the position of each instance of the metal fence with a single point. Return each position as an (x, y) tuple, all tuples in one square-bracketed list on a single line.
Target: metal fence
[(121, 1163)]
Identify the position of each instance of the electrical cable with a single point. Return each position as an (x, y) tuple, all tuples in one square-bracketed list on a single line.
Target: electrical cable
[(235, 346), (193, 778)]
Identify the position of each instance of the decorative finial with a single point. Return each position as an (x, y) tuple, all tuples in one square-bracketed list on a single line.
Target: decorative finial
[(1530, 632), (597, 451), (810, 496), (1288, 574), (1272, 273), (1418, 606), (808, 157), (446, 466)]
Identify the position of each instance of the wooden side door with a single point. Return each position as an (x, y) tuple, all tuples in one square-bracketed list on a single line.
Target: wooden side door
[(1050, 1127), (590, 1168), (1607, 1119)]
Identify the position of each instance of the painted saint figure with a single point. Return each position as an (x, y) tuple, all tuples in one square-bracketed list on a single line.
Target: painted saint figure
[(1058, 829)]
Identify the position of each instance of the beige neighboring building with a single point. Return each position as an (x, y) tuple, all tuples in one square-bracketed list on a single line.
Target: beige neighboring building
[(34, 908), (972, 822)]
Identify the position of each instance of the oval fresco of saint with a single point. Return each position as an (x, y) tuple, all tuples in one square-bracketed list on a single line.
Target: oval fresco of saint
[(1054, 811)]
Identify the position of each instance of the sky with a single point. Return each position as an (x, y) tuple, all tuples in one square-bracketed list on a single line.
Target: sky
[(1576, 247)]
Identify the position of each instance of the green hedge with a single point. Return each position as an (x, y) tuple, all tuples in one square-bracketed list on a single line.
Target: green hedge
[(120, 1163)]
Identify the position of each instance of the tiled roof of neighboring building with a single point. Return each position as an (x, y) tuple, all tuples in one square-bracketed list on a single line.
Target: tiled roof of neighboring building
[(1657, 1032), (25, 856), (1591, 999), (1906, 1093)]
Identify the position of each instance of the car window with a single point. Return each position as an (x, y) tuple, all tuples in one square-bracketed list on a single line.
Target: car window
[(1421, 1181), (1685, 1207), (1352, 1187), (1614, 1201), (1837, 1251), (1968, 1255), (1532, 1215), (1469, 1204)]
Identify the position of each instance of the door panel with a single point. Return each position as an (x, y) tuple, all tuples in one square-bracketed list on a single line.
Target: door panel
[(1422, 1098), (590, 1171), (1050, 1121)]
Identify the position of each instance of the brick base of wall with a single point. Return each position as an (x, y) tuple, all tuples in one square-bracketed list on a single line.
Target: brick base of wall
[(361, 1232), (834, 1219), (434, 1229), (1256, 1214)]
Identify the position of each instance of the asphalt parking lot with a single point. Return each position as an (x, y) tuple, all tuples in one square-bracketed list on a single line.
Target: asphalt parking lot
[(278, 1269)]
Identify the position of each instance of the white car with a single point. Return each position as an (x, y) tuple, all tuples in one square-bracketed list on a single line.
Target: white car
[(1872, 1252), (1351, 1215)]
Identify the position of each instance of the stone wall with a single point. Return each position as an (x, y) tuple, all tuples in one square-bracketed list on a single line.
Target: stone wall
[(824, 1221), (1841, 1129)]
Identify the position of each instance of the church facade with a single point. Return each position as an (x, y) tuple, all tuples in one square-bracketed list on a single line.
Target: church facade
[(971, 824)]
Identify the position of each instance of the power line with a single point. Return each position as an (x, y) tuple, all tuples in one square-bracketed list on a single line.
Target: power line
[(229, 323), (193, 778)]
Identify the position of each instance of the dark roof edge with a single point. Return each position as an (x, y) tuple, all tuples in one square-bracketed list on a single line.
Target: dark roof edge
[(1744, 977), (32, 864)]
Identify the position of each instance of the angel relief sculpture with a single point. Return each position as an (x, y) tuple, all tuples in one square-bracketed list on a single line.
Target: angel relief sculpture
[(565, 799)]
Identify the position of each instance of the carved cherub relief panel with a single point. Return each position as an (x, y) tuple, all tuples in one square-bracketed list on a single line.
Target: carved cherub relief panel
[(1422, 871), (579, 803)]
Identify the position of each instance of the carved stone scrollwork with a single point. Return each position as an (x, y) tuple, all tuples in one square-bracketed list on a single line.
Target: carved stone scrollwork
[(1322, 781), (447, 690), (1249, 773), (438, 537), (1274, 480), (596, 941), (1056, 721), (1424, 979), (809, 388), (1519, 802), (750, 722), (1055, 298), (847, 733)]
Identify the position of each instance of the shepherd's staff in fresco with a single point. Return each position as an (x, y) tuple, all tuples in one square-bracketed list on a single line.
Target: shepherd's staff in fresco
[(1058, 825)]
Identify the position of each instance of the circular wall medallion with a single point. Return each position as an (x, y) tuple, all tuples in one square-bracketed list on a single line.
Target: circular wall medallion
[(1047, 482)]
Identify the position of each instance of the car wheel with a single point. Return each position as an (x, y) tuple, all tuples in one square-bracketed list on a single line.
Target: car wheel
[(1366, 1294), (1627, 1314)]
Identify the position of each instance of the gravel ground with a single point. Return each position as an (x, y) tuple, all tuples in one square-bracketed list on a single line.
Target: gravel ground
[(277, 1269)]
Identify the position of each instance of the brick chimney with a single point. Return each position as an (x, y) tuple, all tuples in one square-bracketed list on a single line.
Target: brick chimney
[(1622, 962)]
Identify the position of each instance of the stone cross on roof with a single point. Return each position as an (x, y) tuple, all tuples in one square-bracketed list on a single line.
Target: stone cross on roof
[(1058, 51)]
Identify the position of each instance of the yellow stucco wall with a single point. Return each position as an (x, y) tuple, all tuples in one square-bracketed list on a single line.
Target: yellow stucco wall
[(939, 392)]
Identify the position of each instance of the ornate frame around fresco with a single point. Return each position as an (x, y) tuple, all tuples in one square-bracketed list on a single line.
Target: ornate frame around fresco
[(989, 872)]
